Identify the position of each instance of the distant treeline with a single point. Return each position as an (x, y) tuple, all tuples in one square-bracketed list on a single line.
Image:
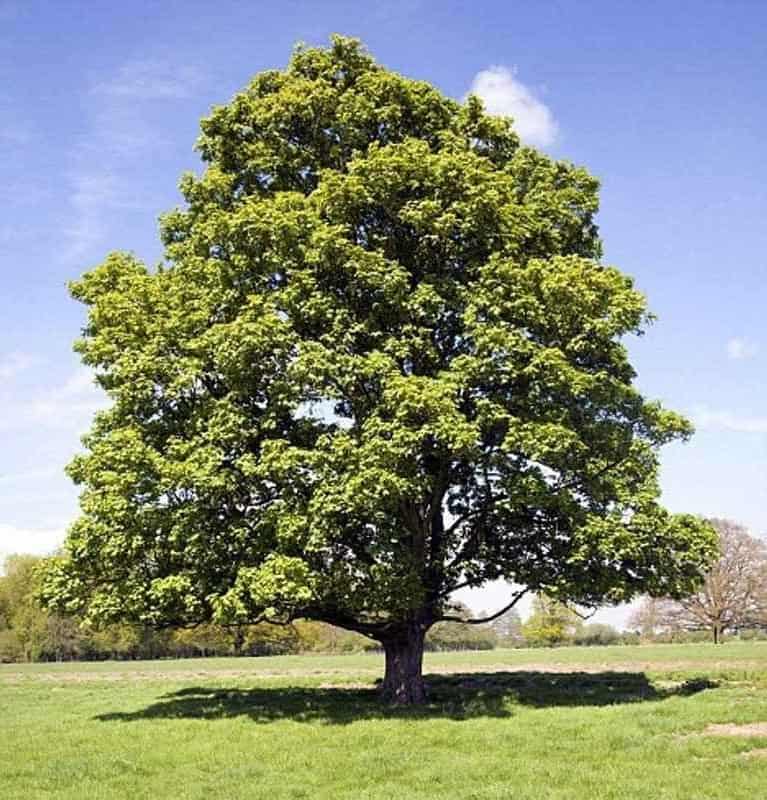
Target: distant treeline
[(30, 633)]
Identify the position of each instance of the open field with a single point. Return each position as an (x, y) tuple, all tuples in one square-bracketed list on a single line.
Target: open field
[(595, 723)]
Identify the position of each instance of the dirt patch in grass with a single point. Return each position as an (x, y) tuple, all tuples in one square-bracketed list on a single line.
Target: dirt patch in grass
[(353, 685), (595, 667), (10, 674), (760, 752), (176, 675), (730, 729)]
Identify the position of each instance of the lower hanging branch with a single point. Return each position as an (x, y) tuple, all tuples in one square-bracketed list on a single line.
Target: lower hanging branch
[(482, 620)]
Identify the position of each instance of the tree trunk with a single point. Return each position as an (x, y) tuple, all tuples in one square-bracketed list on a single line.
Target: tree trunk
[(238, 641), (403, 680)]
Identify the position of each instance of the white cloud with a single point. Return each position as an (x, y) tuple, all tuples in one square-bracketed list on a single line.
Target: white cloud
[(92, 194), (152, 80), (69, 406), (740, 349), (708, 419), (35, 541), (504, 95), (14, 363), (80, 382), (73, 404), (14, 479)]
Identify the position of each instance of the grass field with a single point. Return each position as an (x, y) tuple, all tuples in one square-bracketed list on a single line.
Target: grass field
[(591, 723)]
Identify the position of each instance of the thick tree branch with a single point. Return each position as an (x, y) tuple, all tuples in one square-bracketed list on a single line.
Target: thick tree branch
[(517, 597), (585, 616)]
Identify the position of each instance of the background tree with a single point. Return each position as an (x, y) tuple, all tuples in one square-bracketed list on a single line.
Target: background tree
[(596, 633), (508, 629), (26, 619), (733, 594), (117, 641), (460, 635), (30, 632), (380, 361), (550, 623), (650, 618)]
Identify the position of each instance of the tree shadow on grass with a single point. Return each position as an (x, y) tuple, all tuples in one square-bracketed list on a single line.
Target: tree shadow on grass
[(455, 696)]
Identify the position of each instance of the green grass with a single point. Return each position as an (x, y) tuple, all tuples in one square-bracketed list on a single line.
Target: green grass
[(592, 723)]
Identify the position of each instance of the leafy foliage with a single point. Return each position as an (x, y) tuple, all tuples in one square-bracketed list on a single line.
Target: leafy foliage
[(29, 632), (597, 633), (381, 360), (550, 623)]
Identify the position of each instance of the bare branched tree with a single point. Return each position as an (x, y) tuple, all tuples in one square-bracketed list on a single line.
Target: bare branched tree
[(733, 595), (651, 618)]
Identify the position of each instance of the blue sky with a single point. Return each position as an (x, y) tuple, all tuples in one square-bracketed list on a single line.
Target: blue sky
[(99, 107)]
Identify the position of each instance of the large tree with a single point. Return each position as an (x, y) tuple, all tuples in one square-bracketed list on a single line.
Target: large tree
[(380, 361)]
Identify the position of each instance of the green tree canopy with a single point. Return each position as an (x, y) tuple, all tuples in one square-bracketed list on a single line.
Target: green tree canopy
[(27, 631), (550, 623), (381, 360)]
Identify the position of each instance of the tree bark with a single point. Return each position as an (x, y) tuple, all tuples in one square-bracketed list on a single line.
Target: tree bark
[(403, 679)]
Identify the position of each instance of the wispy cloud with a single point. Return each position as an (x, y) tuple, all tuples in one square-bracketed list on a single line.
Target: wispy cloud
[(13, 478), (121, 137), (70, 405), (34, 541), (152, 80), (740, 349), (504, 95), (15, 134), (16, 130), (709, 419), (94, 193), (14, 363)]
